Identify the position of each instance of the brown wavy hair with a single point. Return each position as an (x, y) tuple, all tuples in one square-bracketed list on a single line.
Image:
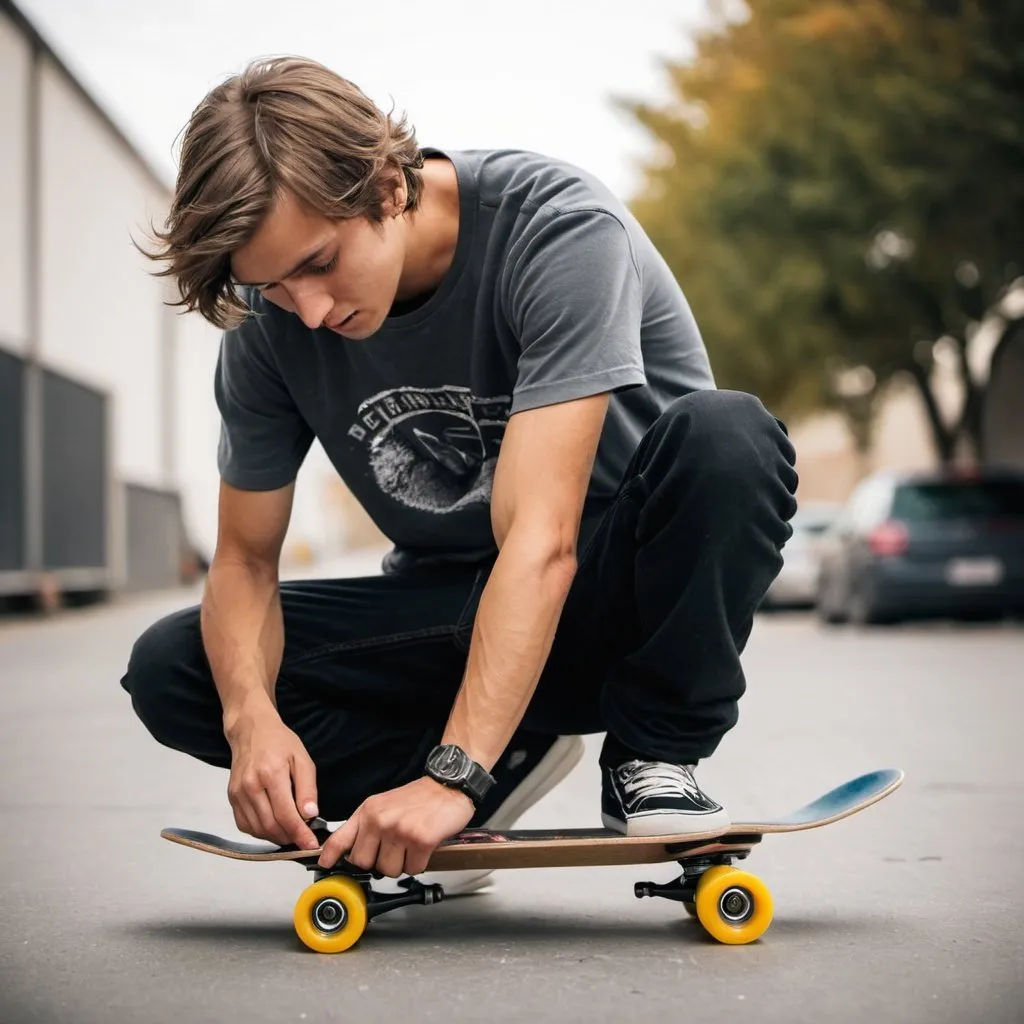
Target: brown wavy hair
[(284, 123)]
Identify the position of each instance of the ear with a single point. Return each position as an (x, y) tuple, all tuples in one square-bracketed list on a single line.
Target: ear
[(396, 194)]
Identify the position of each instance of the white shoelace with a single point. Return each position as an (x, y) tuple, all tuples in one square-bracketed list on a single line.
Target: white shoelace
[(644, 779)]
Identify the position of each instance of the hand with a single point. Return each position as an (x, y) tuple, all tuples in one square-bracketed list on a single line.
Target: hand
[(396, 832), (267, 761)]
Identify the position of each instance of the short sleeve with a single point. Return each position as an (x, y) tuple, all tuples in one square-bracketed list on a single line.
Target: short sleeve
[(263, 436), (574, 302)]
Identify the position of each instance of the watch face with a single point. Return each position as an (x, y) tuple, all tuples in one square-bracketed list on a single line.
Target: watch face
[(450, 763)]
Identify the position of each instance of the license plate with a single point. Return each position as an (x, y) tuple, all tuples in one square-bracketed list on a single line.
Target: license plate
[(974, 572)]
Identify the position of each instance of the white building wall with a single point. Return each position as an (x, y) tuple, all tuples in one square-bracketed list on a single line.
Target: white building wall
[(15, 61), (100, 309)]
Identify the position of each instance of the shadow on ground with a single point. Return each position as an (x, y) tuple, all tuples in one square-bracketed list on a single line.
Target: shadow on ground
[(470, 930)]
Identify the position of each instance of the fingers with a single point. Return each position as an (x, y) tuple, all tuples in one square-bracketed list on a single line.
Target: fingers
[(271, 798), (242, 820), (391, 858), (417, 858), (253, 812), (365, 849), (264, 812), (304, 778), (366, 845), (339, 843), (396, 833), (246, 819), (286, 815)]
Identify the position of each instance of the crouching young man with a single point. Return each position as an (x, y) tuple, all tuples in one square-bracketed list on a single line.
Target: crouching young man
[(507, 377)]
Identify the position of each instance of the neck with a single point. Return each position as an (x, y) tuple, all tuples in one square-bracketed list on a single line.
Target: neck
[(432, 231)]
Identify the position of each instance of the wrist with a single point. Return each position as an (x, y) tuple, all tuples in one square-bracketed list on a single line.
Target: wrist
[(241, 716), (454, 795)]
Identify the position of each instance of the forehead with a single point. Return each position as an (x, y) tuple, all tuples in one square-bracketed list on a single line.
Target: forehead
[(290, 231)]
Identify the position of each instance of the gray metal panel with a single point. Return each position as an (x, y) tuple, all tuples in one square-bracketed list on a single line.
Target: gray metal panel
[(1003, 413), (12, 462), (154, 538), (75, 474)]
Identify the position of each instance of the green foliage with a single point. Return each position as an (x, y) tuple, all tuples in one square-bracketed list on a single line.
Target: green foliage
[(838, 182)]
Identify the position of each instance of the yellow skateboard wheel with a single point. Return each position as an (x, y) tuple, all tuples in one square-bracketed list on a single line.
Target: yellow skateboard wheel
[(735, 907), (330, 916)]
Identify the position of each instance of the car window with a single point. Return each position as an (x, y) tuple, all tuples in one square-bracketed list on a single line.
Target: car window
[(928, 502), (870, 504)]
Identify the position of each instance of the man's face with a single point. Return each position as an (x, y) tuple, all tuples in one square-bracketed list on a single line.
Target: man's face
[(339, 274)]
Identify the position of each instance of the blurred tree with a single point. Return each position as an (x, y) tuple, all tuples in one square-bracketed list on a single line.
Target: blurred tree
[(839, 185)]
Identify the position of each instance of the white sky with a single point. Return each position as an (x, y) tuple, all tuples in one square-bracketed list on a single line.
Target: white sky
[(538, 74)]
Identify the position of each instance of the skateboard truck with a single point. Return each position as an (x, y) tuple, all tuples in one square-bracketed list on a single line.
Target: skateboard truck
[(682, 890), (416, 894), (377, 903)]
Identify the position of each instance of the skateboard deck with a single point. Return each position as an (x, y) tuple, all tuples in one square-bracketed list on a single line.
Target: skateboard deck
[(529, 848), (705, 857)]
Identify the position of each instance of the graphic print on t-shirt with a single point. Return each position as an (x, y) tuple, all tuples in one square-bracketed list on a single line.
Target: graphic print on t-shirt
[(433, 449)]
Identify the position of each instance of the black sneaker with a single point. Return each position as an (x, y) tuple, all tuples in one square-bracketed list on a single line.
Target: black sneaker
[(654, 798), (530, 768)]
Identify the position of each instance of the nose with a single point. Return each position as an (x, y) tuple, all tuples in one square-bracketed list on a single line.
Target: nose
[(311, 303)]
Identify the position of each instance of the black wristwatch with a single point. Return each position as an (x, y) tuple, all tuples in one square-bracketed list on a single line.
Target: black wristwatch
[(453, 767)]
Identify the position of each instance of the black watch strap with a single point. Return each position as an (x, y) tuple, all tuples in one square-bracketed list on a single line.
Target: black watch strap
[(453, 767), (477, 783)]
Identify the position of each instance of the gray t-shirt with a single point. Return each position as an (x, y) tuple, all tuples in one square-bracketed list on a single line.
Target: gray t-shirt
[(554, 293)]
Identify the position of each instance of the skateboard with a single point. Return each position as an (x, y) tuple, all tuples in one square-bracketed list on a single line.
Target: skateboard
[(734, 906)]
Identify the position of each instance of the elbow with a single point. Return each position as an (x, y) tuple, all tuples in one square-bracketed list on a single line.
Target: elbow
[(561, 564), (549, 552)]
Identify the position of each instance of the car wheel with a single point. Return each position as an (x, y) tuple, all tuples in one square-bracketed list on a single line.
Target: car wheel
[(862, 610), (828, 611)]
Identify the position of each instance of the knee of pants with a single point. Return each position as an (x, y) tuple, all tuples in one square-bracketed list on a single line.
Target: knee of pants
[(733, 445), (156, 656)]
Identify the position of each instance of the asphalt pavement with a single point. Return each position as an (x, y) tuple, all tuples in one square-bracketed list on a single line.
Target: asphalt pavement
[(908, 912)]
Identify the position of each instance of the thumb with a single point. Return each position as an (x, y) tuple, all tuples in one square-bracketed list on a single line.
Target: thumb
[(340, 841), (304, 779)]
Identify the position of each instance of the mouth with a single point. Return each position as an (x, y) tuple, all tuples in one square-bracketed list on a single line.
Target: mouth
[(344, 323)]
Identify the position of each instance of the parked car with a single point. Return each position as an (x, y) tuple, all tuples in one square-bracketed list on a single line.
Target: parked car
[(926, 544), (797, 582)]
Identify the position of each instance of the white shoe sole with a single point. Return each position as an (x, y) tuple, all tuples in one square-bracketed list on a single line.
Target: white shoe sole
[(668, 823), (551, 769)]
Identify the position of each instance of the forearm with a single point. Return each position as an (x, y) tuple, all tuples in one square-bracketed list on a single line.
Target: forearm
[(512, 636), (243, 634)]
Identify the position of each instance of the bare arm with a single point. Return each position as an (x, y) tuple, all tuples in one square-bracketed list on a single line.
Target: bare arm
[(540, 485), (243, 631), (272, 787)]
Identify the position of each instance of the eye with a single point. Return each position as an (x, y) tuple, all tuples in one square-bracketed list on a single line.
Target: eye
[(324, 268)]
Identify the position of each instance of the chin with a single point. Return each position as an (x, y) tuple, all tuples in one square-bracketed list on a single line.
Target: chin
[(353, 333), (363, 328)]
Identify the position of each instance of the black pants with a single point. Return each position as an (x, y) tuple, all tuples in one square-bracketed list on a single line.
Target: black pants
[(648, 645)]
